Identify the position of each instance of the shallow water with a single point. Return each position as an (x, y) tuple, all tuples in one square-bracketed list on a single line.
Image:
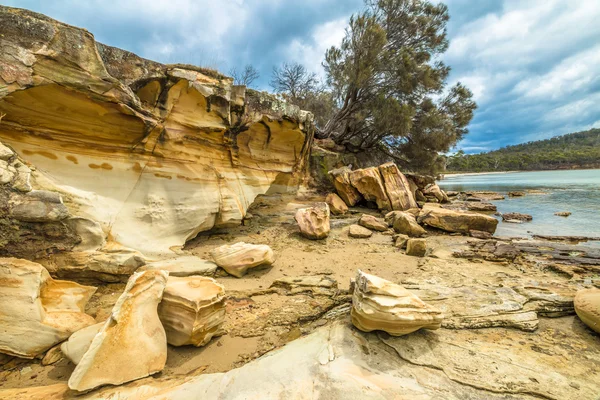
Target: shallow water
[(574, 191)]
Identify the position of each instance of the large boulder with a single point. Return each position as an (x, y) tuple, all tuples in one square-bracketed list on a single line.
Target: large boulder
[(378, 304), (192, 310), (587, 307), (336, 204), (374, 223), (343, 186), (314, 221), (405, 223), (457, 221), (36, 311), (369, 183), (132, 343), (79, 342), (397, 187), (237, 258), (435, 191)]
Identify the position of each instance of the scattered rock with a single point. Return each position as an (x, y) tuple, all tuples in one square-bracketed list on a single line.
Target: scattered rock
[(192, 310), (587, 307), (397, 187), (237, 258), (457, 221), (336, 204), (357, 231), (516, 194), (79, 342), (378, 304), (416, 247), (183, 266), (38, 312), (516, 216), (368, 182), (562, 213), (314, 221), (374, 223), (132, 344), (341, 182), (406, 223), (401, 240)]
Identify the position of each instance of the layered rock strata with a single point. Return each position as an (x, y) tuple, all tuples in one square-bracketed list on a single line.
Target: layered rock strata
[(132, 343), (135, 145), (237, 258), (36, 311), (378, 304), (192, 310)]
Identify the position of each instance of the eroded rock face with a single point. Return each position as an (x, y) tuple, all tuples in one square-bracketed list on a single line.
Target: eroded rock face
[(132, 343), (397, 187), (336, 204), (37, 311), (138, 146), (587, 307), (378, 304), (314, 221), (192, 310), (341, 182), (368, 182), (457, 221), (236, 259)]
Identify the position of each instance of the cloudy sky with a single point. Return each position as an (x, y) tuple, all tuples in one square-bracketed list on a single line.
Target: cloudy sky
[(533, 65)]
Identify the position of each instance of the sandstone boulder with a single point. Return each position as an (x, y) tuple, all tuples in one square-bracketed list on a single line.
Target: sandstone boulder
[(336, 204), (405, 223), (369, 183), (341, 182), (401, 240), (80, 341), (192, 310), (37, 312), (515, 216), (359, 232), (374, 223), (416, 247), (314, 221), (587, 307), (457, 221), (435, 191), (132, 343), (237, 258), (378, 304), (397, 187), (182, 266)]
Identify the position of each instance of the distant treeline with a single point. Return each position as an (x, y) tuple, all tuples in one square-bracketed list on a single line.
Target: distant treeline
[(572, 151)]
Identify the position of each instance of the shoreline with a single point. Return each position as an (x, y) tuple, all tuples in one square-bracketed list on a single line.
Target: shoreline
[(445, 176)]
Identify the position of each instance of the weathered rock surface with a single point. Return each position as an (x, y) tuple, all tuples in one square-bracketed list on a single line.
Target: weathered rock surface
[(435, 191), (416, 247), (480, 234), (80, 341), (516, 216), (405, 223), (378, 304), (314, 221), (457, 221), (368, 182), (516, 194), (484, 196), (314, 284), (237, 258), (562, 213), (37, 206), (132, 343), (471, 206), (397, 187), (341, 182), (137, 146), (192, 310), (182, 266), (359, 232), (587, 307), (374, 223), (37, 312), (336, 204), (401, 240)]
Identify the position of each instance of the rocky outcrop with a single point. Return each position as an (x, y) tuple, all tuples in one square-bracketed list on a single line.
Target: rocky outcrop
[(192, 310), (314, 221), (374, 223), (237, 258), (132, 343), (416, 247), (405, 223), (359, 232), (457, 221), (336, 204), (587, 307), (37, 312), (397, 187), (378, 304), (343, 186), (137, 146), (368, 182)]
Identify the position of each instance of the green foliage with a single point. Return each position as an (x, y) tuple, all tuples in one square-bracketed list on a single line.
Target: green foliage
[(575, 150)]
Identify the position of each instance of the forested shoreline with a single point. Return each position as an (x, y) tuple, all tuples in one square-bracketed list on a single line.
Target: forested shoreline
[(580, 150)]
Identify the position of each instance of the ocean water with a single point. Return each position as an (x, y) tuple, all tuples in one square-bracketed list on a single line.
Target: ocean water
[(574, 191)]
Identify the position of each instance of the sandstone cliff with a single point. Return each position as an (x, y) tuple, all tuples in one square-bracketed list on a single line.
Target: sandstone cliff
[(154, 153)]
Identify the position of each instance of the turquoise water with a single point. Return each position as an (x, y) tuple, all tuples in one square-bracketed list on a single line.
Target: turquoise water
[(574, 191)]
